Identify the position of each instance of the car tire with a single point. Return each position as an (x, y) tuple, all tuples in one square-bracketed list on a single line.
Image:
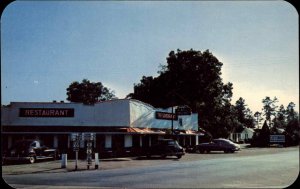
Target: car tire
[(163, 156), (207, 151), (179, 156), (201, 151), (32, 159)]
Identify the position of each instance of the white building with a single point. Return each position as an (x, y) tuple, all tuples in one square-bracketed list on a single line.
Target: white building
[(243, 136), (120, 125)]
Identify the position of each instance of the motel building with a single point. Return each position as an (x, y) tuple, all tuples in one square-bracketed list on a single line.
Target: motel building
[(121, 127)]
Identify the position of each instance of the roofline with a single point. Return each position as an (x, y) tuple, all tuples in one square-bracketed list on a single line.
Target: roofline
[(59, 102)]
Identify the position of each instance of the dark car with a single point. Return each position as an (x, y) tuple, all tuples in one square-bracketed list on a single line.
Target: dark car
[(29, 150), (217, 145), (164, 148)]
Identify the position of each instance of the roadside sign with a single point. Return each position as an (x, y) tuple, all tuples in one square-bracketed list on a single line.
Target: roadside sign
[(166, 116), (75, 138), (183, 110), (78, 140), (277, 138), (89, 136)]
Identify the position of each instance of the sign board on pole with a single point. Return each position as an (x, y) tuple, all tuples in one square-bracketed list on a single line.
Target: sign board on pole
[(277, 138), (165, 115), (183, 110), (75, 138)]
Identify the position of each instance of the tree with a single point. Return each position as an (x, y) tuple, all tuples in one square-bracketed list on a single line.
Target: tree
[(290, 112), (196, 76), (261, 138), (249, 119), (265, 134), (269, 108), (280, 118), (293, 127), (244, 115), (258, 119), (88, 92), (240, 107)]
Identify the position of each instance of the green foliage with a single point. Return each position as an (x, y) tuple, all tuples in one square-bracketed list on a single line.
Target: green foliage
[(287, 119), (261, 138), (88, 92), (258, 118), (290, 112), (243, 114), (280, 120), (269, 107)]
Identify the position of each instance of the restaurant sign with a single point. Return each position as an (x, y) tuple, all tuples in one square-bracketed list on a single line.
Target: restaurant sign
[(165, 115), (46, 112)]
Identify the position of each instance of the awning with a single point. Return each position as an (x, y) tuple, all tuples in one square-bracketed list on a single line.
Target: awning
[(191, 132), (134, 130)]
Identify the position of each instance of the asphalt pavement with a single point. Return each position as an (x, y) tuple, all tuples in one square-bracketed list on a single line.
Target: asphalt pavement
[(254, 168), (116, 163)]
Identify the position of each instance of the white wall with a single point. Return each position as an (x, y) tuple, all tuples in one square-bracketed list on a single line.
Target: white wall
[(109, 113), (115, 113), (143, 116)]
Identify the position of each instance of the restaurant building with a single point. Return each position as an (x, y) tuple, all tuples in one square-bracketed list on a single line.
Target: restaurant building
[(120, 126)]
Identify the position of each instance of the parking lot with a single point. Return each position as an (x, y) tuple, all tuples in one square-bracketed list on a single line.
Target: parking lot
[(117, 163)]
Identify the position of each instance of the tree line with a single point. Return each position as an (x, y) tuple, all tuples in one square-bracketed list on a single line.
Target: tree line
[(193, 78)]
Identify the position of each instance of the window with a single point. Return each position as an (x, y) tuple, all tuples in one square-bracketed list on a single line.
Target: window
[(33, 144)]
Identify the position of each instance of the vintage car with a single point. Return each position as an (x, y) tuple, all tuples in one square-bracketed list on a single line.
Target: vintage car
[(217, 145), (164, 148), (29, 150)]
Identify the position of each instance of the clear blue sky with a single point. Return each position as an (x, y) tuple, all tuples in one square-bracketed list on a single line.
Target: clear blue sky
[(47, 45)]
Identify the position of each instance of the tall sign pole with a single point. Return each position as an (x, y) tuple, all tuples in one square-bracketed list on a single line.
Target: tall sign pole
[(89, 138), (75, 137)]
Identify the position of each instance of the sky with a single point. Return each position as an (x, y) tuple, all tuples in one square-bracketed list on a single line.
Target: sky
[(45, 46)]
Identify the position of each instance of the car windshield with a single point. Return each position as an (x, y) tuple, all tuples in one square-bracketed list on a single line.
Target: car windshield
[(223, 141), (173, 143), (169, 142)]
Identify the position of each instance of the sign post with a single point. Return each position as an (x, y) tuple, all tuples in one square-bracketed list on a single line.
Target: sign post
[(89, 138), (75, 137)]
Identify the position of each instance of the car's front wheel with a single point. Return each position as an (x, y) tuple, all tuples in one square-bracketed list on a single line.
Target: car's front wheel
[(32, 159), (179, 156)]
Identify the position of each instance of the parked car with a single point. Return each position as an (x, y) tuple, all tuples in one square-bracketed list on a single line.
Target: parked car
[(164, 148), (29, 150), (217, 145)]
